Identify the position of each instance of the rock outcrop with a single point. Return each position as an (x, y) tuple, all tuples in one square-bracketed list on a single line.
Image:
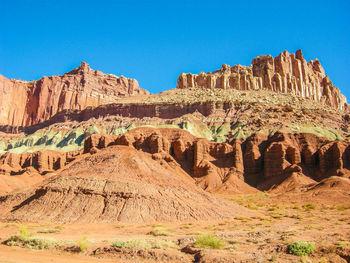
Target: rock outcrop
[(28, 103), (42, 161), (236, 166), (260, 160), (286, 73), (119, 183)]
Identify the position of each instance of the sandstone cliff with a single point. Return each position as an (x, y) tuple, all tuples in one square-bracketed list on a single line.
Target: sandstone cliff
[(28, 103), (261, 161), (286, 73)]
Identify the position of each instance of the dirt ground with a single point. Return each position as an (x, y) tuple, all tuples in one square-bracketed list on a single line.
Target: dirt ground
[(262, 238)]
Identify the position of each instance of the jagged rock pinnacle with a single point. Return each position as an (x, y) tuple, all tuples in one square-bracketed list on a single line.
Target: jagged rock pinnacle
[(286, 73), (84, 67)]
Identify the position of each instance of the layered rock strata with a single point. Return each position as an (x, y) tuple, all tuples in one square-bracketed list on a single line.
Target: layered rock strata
[(119, 183), (28, 103), (259, 160), (286, 73), (42, 161)]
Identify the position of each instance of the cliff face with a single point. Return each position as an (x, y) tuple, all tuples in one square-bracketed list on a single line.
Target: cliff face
[(261, 161), (29, 103), (286, 73)]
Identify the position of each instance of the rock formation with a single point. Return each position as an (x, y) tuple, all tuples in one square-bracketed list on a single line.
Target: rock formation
[(259, 161), (256, 160), (28, 103), (247, 128), (106, 180), (119, 183), (286, 73), (42, 161)]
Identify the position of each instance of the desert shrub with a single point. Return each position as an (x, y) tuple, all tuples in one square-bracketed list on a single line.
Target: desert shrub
[(209, 241), (188, 226), (83, 243), (49, 231), (121, 244), (309, 207), (59, 227), (252, 206), (342, 207), (248, 197), (23, 232), (145, 244), (243, 219), (38, 243), (301, 248), (159, 231), (29, 242), (25, 239), (343, 244)]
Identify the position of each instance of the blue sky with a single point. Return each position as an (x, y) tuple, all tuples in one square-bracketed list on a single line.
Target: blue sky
[(154, 41)]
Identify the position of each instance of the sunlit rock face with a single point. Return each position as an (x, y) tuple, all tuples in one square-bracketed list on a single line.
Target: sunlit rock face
[(286, 73), (27, 103)]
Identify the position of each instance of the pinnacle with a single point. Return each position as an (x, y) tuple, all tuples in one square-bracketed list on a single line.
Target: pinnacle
[(84, 66)]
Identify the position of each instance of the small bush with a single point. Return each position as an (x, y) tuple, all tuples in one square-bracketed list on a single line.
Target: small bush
[(159, 231), (309, 207), (145, 244), (301, 248), (342, 207), (126, 244), (83, 243), (23, 232), (49, 231), (59, 227), (209, 241), (29, 242), (343, 244), (241, 218), (186, 226), (25, 239), (252, 206)]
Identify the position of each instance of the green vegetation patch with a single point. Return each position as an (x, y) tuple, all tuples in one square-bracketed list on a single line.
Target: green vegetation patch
[(159, 231), (318, 131), (309, 207), (27, 240), (343, 244), (145, 244), (248, 197), (83, 243), (301, 248), (209, 241)]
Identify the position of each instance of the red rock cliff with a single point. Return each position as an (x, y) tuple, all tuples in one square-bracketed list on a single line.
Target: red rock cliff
[(286, 73), (27, 103)]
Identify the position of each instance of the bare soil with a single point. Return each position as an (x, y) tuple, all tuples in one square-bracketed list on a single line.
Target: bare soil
[(246, 239)]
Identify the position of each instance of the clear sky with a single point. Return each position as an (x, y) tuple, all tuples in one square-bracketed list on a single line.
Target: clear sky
[(154, 41)]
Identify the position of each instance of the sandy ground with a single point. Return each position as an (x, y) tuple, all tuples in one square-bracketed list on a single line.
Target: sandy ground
[(20, 255), (254, 239)]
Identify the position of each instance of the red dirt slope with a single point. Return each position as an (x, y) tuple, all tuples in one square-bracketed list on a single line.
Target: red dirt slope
[(122, 184)]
